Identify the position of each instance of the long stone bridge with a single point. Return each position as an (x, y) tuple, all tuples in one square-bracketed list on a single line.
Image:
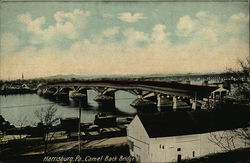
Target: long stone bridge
[(148, 92)]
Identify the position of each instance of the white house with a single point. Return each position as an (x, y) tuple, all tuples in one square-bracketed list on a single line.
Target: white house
[(219, 93), (170, 137)]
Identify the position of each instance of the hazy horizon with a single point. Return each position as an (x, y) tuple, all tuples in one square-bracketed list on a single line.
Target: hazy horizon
[(79, 76), (42, 39)]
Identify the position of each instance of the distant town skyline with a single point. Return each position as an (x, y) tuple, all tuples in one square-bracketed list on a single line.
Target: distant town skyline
[(121, 38)]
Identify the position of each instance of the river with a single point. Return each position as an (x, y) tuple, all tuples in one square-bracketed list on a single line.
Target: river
[(20, 108)]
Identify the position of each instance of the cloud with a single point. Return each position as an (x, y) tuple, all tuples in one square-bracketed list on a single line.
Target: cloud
[(200, 14), (157, 37), (109, 35), (208, 27), (158, 34), (90, 58), (239, 17), (185, 26), (67, 24), (31, 25), (110, 32), (133, 36), (129, 17), (9, 43), (137, 52)]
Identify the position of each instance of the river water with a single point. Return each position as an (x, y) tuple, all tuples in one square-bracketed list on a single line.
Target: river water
[(19, 109)]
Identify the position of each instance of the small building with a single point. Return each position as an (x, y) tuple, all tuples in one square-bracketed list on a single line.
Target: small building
[(174, 136), (219, 93)]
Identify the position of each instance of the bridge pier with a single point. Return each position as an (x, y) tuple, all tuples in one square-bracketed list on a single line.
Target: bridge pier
[(79, 98), (145, 99), (174, 103), (193, 105), (142, 103), (49, 93), (146, 91), (181, 103), (39, 92), (194, 102), (62, 94), (164, 103), (106, 101)]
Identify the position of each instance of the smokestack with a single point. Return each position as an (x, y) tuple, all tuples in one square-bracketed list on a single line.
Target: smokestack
[(227, 84)]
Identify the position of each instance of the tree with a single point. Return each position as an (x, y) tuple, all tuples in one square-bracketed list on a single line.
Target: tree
[(242, 91), (226, 140), (242, 80), (22, 122), (47, 117), (243, 134)]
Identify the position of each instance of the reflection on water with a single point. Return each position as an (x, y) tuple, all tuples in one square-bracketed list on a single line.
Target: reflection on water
[(15, 108)]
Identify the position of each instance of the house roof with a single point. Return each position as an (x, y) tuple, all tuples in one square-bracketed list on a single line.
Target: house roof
[(220, 90), (193, 122)]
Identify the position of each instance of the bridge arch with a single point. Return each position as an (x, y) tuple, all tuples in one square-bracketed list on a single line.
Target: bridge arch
[(53, 89), (66, 89)]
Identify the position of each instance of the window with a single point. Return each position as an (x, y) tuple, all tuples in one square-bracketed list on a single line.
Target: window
[(178, 149), (160, 145), (193, 153), (163, 147)]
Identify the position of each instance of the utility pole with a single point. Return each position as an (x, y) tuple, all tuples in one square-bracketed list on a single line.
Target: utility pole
[(79, 98)]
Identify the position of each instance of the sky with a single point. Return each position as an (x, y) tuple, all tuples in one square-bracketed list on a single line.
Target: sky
[(121, 38)]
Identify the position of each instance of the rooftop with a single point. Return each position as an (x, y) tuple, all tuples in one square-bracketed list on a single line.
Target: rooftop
[(194, 122)]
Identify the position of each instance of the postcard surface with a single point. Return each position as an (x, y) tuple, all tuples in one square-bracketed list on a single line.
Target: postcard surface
[(124, 81)]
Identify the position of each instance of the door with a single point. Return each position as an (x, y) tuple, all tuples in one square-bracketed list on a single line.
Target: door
[(178, 158)]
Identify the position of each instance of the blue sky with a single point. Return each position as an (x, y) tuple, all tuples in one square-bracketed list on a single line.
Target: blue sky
[(96, 38)]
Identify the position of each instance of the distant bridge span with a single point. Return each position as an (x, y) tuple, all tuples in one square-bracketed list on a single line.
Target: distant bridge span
[(157, 87)]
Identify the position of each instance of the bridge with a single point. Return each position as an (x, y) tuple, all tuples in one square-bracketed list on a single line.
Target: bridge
[(147, 92)]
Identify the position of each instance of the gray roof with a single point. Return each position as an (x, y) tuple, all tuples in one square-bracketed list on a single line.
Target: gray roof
[(193, 122)]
